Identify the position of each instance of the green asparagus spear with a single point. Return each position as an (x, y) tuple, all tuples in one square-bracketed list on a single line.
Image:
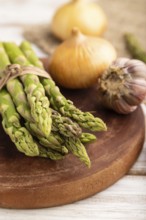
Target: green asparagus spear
[(15, 88), (87, 137), (49, 153), (75, 146), (11, 124), (67, 108), (58, 101), (26, 48), (38, 102), (65, 125), (134, 47), (54, 141), (11, 120)]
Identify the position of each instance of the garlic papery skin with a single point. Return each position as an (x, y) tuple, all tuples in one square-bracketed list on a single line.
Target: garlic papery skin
[(80, 60), (86, 15), (122, 87)]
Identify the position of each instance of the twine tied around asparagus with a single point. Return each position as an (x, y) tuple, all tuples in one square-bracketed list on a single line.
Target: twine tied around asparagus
[(15, 70)]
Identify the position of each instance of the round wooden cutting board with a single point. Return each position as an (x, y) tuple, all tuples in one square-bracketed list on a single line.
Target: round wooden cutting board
[(37, 182)]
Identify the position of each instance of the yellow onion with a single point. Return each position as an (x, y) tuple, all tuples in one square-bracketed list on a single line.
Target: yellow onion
[(80, 60), (87, 16)]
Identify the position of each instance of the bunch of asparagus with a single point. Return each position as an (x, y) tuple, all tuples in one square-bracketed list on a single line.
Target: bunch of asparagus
[(37, 117)]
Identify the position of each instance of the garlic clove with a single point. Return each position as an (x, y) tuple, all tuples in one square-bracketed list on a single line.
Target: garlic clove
[(122, 107), (120, 62), (137, 68), (134, 62), (137, 92)]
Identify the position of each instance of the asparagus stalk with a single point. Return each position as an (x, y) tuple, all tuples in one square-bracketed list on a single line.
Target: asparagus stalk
[(18, 134), (65, 125), (58, 101), (67, 108), (54, 141), (11, 124), (134, 47), (11, 119), (87, 137), (75, 146), (38, 102), (50, 153), (15, 88)]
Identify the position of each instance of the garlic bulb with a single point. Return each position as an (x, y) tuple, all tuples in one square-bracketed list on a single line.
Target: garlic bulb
[(80, 60), (122, 87), (87, 16)]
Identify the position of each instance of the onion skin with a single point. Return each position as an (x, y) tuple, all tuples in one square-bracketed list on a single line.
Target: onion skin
[(88, 17), (79, 61)]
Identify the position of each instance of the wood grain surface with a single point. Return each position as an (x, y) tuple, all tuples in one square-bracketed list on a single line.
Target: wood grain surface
[(37, 182)]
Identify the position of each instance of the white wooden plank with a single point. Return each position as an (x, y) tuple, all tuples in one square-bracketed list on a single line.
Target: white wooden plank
[(139, 167), (126, 199)]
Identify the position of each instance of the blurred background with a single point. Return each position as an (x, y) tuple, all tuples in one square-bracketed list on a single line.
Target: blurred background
[(17, 14), (123, 16)]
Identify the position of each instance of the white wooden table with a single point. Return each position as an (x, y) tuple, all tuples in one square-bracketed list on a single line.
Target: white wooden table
[(126, 199)]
